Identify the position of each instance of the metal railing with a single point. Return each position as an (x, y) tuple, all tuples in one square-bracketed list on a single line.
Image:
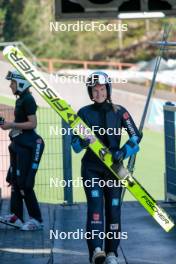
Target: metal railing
[(50, 62), (85, 64)]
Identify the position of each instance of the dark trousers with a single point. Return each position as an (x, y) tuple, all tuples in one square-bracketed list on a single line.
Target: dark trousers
[(104, 208), (16, 203), (24, 161)]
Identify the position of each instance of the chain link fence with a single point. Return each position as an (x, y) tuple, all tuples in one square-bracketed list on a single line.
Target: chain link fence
[(51, 166)]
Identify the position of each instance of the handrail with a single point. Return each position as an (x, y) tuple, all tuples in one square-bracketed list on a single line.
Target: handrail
[(51, 62)]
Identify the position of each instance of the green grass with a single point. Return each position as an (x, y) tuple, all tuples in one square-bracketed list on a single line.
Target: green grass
[(7, 101), (149, 169)]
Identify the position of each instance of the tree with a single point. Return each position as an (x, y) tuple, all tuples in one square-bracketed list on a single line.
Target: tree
[(14, 8)]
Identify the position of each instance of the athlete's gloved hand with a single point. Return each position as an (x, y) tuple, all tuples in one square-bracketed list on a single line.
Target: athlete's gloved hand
[(84, 143), (118, 156), (129, 148), (79, 144)]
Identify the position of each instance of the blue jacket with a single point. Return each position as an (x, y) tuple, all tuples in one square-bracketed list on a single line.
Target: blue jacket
[(112, 118)]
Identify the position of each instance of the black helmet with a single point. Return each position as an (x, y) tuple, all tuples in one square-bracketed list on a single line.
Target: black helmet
[(99, 78)]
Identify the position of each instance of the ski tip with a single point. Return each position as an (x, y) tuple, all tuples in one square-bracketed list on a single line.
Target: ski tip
[(7, 49)]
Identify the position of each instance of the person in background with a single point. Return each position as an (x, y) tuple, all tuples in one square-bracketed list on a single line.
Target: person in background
[(26, 149)]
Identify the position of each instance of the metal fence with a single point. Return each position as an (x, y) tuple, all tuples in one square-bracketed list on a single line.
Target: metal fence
[(170, 150), (52, 164)]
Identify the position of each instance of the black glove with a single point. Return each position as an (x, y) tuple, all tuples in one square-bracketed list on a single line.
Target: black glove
[(84, 143), (118, 155)]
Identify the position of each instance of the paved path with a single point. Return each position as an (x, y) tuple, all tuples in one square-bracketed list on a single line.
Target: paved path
[(147, 243)]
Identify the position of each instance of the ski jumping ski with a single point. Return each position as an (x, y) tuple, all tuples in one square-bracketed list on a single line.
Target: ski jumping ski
[(26, 68)]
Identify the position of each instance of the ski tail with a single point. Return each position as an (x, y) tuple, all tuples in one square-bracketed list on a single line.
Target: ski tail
[(155, 210)]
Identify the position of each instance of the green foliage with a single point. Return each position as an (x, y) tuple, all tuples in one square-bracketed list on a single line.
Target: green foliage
[(29, 21), (13, 9), (3, 10)]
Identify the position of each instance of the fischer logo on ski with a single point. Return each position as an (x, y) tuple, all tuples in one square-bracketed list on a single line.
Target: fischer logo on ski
[(71, 118), (155, 209), (25, 67)]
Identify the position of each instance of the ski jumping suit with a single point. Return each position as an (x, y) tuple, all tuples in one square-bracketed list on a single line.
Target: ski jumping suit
[(25, 153), (104, 115)]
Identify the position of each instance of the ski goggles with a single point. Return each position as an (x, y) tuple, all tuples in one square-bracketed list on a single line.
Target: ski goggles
[(13, 76)]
